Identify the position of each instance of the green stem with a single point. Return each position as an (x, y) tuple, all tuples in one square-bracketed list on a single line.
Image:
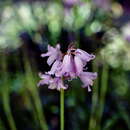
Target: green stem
[(31, 82), (8, 111), (62, 109), (95, 99), (103, 91)]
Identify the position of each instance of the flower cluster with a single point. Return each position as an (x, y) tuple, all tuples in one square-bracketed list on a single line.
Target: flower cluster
[(67, 67)]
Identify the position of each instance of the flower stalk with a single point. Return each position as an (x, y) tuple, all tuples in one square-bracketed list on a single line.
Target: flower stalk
[(62, 109)]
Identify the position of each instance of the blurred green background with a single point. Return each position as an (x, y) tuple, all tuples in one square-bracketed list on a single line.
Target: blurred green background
[(101, 27)]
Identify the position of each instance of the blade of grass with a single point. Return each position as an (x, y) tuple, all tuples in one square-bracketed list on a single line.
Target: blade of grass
[(103, 91), (6, 93), (34, 93), (92, 120)]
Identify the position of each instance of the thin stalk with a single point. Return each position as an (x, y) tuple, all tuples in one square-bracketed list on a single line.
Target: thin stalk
[(98, 101), (8, 111), (6, 93), (103, 91), (95, 100), (37, 102), (62, 109)]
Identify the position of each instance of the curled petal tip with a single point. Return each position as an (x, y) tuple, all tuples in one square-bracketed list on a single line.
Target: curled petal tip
[(44, 55), (89, 89), (92, 56), (58, 46)]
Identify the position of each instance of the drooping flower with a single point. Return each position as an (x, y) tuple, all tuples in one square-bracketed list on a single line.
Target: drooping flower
[(55, 67), (74, 62), (52, 82), (53, 54), (78, 65), (87, 79), (67, 67), (45, 79), (84, 56)]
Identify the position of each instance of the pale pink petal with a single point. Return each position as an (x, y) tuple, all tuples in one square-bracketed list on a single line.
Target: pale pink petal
[(49, 48), (44, 76), (51, 59), (88, 86), (87, 79), (61, 85), (43, 82), (66, 64), (58, 46), (45, 54), (89, 89), (84, 55), (52, 86), (46, 79), (55, 67), (78, 65), (67, 68), (53, 54), (50, 51)]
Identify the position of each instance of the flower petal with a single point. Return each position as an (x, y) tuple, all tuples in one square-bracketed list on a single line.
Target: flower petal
[(55, 67), (58, 46), (87, 79), (67, 68), (45, 79), (53, 53), (51, 59), (52, 86), (50, 51), (78, 65), (84, 55), (61, 85)]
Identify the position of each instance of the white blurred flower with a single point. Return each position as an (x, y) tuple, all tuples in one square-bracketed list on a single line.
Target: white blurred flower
[(117, 53)]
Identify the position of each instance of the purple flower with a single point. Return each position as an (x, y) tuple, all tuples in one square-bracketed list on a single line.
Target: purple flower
[(53, 83), (45, 79), (67, 67), (53, 54), (78, 65), (84, 56), (87, 79), (74, 62), (55, 67)]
